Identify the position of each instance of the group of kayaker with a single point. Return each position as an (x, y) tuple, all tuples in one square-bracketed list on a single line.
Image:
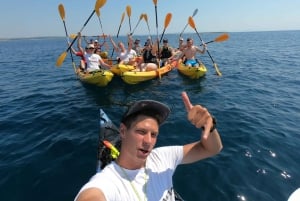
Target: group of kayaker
[(144, 58)]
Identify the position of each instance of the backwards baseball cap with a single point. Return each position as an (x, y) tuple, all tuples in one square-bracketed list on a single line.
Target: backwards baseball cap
[(160, 110)]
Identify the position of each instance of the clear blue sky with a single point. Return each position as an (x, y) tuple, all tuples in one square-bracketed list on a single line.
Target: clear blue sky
[(33, 18)]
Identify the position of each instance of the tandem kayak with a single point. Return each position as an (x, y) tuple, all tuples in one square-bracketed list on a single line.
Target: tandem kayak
[(192, 72), (110, 143), (99, 78), (135, 77)]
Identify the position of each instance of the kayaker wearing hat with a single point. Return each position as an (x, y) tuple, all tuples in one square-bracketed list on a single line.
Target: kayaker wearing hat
[(93, 61), (142, 172)]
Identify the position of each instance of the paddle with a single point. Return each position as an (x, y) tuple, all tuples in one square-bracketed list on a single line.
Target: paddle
[(156, 20), (61, 58), (128, 11), (122, 19), (192, 24), (220, 38), (141, 17), (61, 11), (194, 13), (98, 14), (155, 6), (146, 19), (167, 22)]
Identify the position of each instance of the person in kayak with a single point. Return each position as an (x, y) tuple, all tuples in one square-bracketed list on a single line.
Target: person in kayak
[(92, 60), (189, 53), (125, 56), (149, 60), (166, 51), (142, 172)]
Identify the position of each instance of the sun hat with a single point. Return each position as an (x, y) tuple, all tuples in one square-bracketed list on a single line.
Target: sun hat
[(160, 109), (90, 46)]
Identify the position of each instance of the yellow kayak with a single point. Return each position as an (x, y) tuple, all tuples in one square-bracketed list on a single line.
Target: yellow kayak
[(98, 78), (192, 72), (135, 77), (118, 69)]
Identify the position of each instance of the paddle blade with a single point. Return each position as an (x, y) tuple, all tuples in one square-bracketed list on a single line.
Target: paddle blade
[(217, 70), (73, 36), (195, 12), (128, 10), (99, 4), (222, 38), (146, 17), (61, 59), (191, 22), (98, 12), (155, 2), (141, 16), (122, 18), (168, 19), (61, 11)]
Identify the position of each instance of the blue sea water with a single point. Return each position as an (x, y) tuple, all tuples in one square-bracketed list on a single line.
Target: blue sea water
[(49, 121)]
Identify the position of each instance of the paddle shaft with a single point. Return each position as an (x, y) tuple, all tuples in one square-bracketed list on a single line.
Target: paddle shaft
[(122, 18), (156, 19), (62, 15), (214, 63), (135, 27), (67, 36), (195, 13), (80, 31), (204, 43), (146, 19)]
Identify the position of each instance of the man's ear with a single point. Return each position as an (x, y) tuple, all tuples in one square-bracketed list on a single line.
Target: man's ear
[(122, 130)]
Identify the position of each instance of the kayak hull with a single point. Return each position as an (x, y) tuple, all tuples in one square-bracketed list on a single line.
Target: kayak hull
[(135, 77), (99, 78), (192, 72)]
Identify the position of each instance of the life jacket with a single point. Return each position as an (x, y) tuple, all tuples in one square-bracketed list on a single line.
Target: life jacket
[(148, 57), (166, 53)]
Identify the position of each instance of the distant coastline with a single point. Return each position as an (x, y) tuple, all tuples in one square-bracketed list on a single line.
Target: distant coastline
[(53, 37)]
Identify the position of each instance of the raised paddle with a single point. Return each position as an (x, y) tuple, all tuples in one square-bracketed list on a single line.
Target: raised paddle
[(98, 14), (61, 58), (220, 38), (167, 22), (122, 19), (146, 19), (192, 24), (128, 11), (194, 13), (141, 17), (62, 14), (156, 20)]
